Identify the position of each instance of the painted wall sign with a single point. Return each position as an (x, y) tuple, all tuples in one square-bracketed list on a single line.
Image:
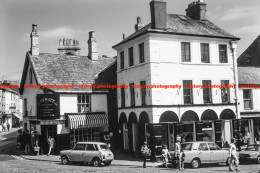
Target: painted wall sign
[(48, 106)]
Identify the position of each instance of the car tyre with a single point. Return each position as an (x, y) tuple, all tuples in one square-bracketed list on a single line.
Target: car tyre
[(228, 161), (195, 163), (65, 160), (107, 163), (258, 159), (96, 162)]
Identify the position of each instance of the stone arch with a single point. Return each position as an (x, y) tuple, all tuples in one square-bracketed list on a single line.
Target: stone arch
[(227, 114), (189, 116), (132, 118), (122, 120), (209, 115), (144, 118), (169, 117)]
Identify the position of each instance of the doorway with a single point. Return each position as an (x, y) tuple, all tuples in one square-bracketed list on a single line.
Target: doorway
[(48, 130)]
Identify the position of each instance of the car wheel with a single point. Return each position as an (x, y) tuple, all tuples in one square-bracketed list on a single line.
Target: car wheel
[(96, 162), (107, 163), (228, 161), (195, 163), (258, 160), (65, 160)]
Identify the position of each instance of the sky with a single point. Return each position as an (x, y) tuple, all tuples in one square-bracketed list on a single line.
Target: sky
[(109, 18)]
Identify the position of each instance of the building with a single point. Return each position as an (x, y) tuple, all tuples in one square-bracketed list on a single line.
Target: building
[(74, 112), (179, 50)]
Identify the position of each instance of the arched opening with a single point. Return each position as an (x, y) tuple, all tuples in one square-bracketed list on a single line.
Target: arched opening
[(209, 115), (132, 132), (227, 114), (189, 116), (143, 120), (169, 117), (122, 128)]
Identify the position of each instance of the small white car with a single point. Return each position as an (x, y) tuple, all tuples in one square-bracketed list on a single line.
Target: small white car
[(251, 153), (197, 153), (95, 153)]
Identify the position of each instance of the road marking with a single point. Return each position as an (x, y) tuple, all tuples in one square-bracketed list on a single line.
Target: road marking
[(19, 158)]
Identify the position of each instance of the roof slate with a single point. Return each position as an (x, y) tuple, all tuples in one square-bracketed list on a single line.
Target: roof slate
[(249, 75), (183, 25)]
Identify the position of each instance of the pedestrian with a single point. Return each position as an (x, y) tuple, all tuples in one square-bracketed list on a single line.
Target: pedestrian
[(36, 142), (108, 139), (182, 158), (166, 155), (27, 142), (51, 143), (145, 152), (233, 155), (177, 152), (257, 141), (8, 127), (1, 128)]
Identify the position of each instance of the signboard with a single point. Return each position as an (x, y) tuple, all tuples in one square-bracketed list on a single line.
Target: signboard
[(48, 106)]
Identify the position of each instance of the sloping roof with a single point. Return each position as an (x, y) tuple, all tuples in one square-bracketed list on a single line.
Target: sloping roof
[(249, 75), (251, 56), (56, 69), (183, 25)]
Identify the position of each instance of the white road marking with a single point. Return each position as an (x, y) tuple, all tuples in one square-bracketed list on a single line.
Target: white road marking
[(19, 158)]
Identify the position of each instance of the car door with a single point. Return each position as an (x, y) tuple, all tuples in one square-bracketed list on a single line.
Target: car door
[(204, 153), (78, 152), (216, 154), (91, 152)]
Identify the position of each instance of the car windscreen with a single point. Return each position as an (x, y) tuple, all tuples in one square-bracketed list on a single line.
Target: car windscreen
[(186, 146), (104, 147)]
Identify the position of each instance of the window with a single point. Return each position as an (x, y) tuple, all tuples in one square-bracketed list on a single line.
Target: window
[(187, 92), (141, 52), (203, 147), (207, 96), (31, 76), (132, 93), (122, 97), (25, 107), (122, 63), (131, 56), (143, 93), (223, 54), (185, 52), (84, 134), (204, 52), (225, 91), (247, 95), (83, 103), (79, 147)]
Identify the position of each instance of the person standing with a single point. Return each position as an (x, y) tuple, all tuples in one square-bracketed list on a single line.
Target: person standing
[(177, 153), (257, 141), (51, 143), (145, 151), (27, 141), (165, 154), (8, 126), (233, 155), (36, 142)]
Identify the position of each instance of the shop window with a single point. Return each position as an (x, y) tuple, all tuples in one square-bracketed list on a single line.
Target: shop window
[(185, 52), (84, 135), (122, 60), (122, 97), (158, 137), (225, 91), (247, 96), (141, 52), (83, 103), (207, 93), (143, 93), (204, 52), (223, 54), (187, 92), (187, 132), (132, 94), (131, 56)]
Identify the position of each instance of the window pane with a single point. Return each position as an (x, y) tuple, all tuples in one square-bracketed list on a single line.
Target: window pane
[(223, 53), (79, 99), (187, 92), (83, 99)]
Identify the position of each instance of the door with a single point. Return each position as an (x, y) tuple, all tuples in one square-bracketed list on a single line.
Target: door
[(48, 130), (91, 152), (78, 152), (204, 153), (216, 155), (125, 136)]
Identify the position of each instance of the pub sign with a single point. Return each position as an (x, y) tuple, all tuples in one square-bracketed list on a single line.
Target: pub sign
[(48, 106)]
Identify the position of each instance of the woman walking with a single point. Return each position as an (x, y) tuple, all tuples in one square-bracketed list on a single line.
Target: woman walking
[(51, 143), (233, 155)]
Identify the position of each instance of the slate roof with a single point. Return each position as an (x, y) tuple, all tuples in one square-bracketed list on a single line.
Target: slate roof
[(56, 69), (183, 25), (249, 75)]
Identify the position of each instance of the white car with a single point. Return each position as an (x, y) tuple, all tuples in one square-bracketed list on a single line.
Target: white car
[(197, 153), (88, 152)]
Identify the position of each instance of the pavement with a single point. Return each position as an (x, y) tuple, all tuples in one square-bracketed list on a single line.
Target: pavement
[(6, 134)]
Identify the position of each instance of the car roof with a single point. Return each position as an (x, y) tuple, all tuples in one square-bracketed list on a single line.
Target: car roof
[(99, 143)]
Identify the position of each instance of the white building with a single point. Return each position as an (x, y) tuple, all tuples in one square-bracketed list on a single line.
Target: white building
[(176, 50)]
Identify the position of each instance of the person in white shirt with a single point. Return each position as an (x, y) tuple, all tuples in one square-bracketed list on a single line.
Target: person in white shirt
[(165, 154), (233, 155)]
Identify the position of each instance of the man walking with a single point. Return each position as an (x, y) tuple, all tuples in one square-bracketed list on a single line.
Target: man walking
[(27, 142), (145, 151), (233, 155)]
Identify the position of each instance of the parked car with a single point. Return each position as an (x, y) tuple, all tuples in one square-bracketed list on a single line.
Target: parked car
[(251, 152), (197, 153), (95, 153)]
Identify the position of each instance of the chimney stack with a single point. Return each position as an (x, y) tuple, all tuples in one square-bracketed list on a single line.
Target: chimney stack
[(197, 10), (139, 24), (92, 46), (34, 41), (158, 14)]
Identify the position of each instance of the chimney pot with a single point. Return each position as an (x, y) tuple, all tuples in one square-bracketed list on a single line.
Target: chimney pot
[(34, 41), (123, 36), (197, 10), (139, 24), (92, 46)]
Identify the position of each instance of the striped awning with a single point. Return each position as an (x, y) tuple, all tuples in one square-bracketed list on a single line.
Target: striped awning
[(87, 120)]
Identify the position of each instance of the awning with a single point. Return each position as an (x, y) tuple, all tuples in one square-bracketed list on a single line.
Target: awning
[(87, 120), (16, 115)]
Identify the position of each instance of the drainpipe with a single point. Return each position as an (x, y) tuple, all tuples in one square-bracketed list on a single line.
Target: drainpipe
[(233, 47)]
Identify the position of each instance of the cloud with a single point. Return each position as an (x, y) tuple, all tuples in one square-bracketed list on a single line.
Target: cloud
[(252, 29), (239, 13)]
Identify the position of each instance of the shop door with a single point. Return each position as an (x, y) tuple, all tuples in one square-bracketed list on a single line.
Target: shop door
[(199, 132), (218, 133), (125, 136), (48, 130)]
